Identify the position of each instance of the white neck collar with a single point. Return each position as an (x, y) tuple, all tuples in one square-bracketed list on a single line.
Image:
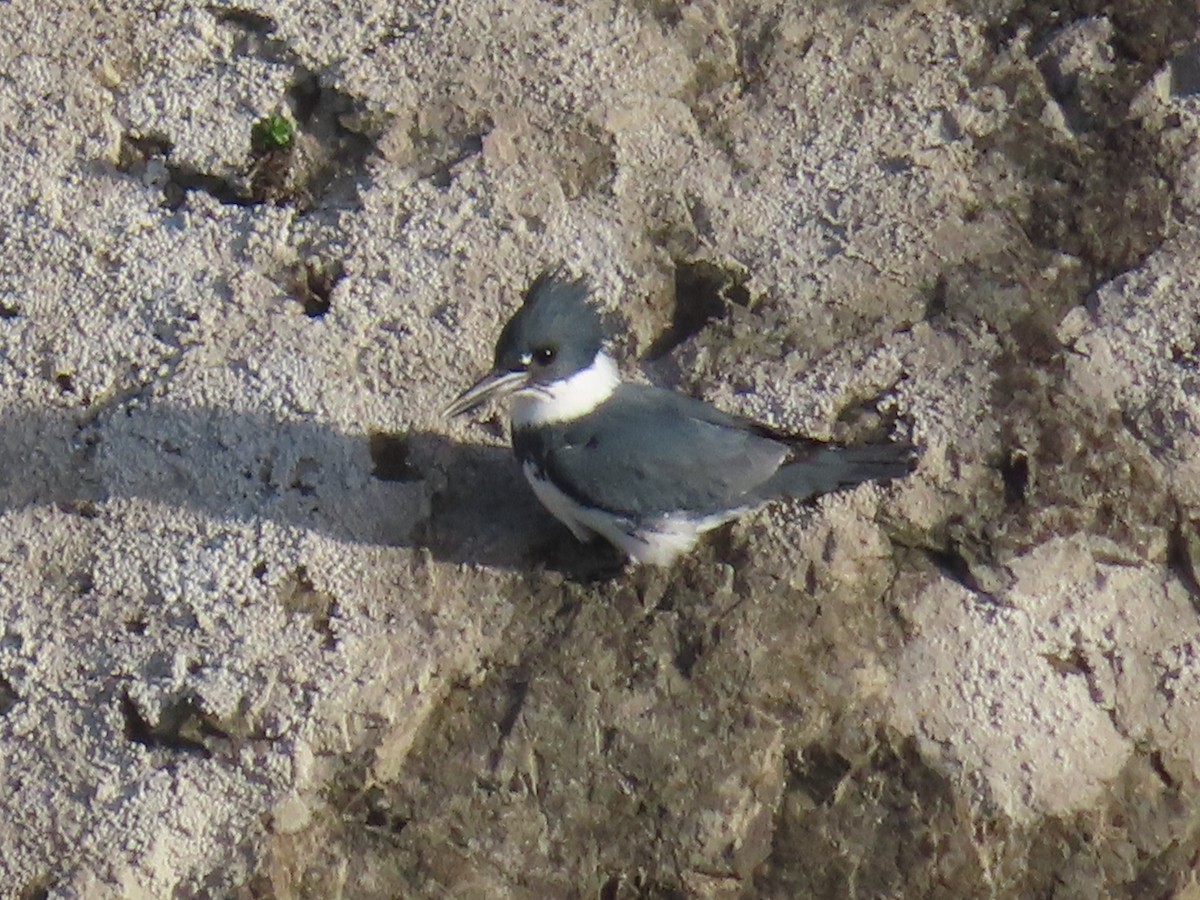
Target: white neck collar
[(566, 400)]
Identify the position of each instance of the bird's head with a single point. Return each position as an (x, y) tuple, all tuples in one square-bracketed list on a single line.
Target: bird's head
[(555, 336)]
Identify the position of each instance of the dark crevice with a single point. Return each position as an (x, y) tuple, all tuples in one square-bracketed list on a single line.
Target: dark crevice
[(818, 771), (180, 727), (1014, 471), (691, 648), (85, 509), (951, 562), (343, 134), (870, 419), (224, 189), (8, 696), (1074, 663), (936, 303), (38, 888), (245, 19), (136, 150), (1183, 557), (312, 286), (390, 454), (305, 96), (896, 165), (379, 814), (1160, 769), (518, 690), (704, 292)]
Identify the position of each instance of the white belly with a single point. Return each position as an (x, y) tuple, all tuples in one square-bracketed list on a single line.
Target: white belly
[(656, 542)]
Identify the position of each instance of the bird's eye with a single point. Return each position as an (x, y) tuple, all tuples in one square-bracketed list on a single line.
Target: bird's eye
[(543, 356)]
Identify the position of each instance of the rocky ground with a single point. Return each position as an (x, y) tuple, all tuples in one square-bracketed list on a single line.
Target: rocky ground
[(270, 627)]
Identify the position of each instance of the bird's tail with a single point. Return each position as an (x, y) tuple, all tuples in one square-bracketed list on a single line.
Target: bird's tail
[(821, 469)]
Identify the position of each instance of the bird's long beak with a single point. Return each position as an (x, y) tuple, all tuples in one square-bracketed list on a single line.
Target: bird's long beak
[(493, 385)]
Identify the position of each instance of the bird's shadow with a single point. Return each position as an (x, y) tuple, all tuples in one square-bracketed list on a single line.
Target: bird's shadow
[(464, 503)]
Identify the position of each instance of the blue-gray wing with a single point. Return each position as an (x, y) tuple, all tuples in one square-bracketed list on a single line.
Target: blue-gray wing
[(648, 451)]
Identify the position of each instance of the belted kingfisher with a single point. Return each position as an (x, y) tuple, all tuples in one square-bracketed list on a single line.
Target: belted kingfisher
[(648, 469)]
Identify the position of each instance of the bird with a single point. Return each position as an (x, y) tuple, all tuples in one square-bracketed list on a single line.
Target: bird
[(648, 469)]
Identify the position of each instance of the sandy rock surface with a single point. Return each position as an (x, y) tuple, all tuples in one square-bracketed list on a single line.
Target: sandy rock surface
[(270, 627)]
